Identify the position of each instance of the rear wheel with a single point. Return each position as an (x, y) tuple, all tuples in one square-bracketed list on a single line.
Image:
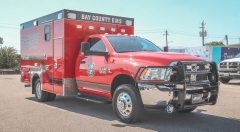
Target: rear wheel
[(40, 95), (224, 80), (127, 103)]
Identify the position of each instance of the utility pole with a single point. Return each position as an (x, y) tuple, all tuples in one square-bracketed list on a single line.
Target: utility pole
[(239, 40), (203, 33), (166, 47), (226, 38)]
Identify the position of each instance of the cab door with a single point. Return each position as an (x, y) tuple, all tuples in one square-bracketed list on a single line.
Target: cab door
[(93, 72)]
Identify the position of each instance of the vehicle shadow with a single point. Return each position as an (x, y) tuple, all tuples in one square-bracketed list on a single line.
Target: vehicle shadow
[(156, 120), (233, 83)]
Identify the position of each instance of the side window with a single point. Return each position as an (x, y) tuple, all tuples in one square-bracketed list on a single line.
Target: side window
[(47, 33), (97, 44)]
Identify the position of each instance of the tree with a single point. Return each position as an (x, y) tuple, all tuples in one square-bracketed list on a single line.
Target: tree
[(8, 58), (1, 40), (215, 43)]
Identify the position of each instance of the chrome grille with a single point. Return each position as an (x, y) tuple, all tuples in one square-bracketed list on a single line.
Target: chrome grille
[(229, 65), (233, 65), (223, 65)]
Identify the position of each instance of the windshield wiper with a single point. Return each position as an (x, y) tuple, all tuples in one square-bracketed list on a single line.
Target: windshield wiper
[(150, 50)]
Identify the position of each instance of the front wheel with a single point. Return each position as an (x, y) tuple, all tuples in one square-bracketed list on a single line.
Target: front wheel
[(127, 103)]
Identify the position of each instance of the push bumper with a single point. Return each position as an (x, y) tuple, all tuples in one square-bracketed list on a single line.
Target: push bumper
[(180, 96)]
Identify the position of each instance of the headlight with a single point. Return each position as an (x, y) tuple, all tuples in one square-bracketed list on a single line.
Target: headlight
[(157, 74)]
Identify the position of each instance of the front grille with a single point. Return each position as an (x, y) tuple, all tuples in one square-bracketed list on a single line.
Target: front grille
[(233, 65), (223, 65), (229, 65)]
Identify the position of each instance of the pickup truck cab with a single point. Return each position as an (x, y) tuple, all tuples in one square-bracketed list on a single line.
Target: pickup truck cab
[(229, 69)]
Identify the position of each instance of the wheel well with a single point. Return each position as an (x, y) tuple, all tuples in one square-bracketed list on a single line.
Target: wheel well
[(34, 79), (121, 79)]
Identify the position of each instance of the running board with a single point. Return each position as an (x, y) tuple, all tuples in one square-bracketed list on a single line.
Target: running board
[(94, 99)]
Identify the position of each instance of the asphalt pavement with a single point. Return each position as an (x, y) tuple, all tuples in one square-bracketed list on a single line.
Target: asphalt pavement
[(20, 112)]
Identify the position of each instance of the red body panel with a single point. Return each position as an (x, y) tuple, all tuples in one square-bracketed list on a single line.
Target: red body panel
[(58, 56)]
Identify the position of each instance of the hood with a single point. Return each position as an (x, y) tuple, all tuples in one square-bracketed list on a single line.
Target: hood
[(232, 60), (158, 58)]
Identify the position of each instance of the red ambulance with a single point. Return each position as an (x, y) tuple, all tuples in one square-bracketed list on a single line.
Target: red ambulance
[(97, 58)]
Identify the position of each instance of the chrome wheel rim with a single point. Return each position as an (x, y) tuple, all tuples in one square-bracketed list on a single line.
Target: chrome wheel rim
[(124, 104), (38, 90)]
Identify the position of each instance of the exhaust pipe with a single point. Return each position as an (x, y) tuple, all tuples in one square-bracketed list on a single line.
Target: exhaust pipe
[(170, 108)]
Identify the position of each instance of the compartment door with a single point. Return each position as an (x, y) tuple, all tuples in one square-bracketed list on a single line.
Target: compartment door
[(58, 65)]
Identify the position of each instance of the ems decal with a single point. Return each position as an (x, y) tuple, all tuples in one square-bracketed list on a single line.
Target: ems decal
[(91, 70)]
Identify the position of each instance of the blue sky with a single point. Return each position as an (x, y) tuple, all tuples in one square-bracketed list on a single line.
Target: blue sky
[(182, 18)]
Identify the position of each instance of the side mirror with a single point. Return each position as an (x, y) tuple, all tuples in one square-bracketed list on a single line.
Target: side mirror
[(85, 46)]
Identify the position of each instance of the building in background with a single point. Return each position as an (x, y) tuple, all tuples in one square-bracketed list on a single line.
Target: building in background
[(235, 45), (210, 53)]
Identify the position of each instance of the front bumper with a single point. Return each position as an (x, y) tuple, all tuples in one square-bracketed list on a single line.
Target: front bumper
[(229, 74), (185, 89), (181, 96)]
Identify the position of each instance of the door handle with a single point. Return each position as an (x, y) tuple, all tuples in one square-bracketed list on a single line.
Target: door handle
[(82, 62)]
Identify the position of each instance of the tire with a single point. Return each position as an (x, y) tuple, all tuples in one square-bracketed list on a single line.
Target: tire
[(224, 80), (51, 97), (187, 110), (127, 103), (40, 95)]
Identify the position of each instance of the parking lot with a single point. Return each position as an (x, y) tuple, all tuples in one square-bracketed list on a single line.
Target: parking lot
[(20, 112)]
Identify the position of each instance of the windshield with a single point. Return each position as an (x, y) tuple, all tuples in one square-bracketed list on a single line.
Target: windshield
[(237, 56), (131, 44)]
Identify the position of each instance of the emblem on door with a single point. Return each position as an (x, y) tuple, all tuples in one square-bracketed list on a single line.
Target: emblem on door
[(103, 70), (91, 70)]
